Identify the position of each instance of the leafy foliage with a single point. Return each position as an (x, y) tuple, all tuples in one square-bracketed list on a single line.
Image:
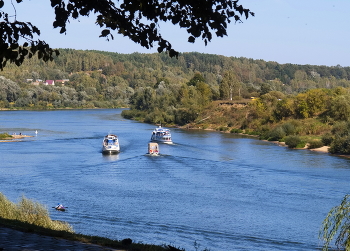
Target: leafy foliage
[(293, 141), (185, 91), (315, 144), (337, 223), (138, 20), (30, 212), (12, 31)]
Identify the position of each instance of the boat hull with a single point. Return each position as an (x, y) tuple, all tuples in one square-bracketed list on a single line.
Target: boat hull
[(108, 151), (162, 141), (110, 144)]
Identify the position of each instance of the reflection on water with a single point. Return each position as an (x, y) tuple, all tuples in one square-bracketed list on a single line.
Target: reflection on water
[(110, 157), (222, 191)]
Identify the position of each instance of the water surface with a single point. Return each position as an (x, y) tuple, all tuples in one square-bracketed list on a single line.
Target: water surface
[(220, 191)]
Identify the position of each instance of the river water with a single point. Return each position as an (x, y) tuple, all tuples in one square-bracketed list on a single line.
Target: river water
[(207, 190)]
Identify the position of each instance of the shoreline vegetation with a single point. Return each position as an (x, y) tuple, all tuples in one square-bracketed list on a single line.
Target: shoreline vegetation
[(296, 104), (32, 217), (5, 137)]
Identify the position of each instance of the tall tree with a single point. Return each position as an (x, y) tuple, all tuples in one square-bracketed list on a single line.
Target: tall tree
[(136, 19), (228, 85)]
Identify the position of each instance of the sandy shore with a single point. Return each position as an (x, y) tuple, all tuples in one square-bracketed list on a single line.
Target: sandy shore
[(15, 138), (323, 149)]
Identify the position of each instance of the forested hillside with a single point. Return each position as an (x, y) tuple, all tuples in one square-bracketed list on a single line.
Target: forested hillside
[(105, 79), (198, 90)]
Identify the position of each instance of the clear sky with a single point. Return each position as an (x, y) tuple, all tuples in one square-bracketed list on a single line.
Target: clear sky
[(314, 32)]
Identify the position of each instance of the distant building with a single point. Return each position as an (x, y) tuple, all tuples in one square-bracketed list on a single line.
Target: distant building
[(50, 82), (62, 81), (36, 82)]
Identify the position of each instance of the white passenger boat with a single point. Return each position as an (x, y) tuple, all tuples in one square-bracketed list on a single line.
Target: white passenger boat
[(110, 144), (153, 148), (162, 135)]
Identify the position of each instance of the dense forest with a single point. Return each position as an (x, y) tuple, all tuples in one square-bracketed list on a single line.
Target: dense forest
[(275, 101)]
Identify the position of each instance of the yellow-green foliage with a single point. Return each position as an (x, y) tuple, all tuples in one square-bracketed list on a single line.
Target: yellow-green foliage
[(30, 212), (5, 135)]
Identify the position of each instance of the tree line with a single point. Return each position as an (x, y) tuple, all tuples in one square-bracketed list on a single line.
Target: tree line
[(183, 91), (106, 79)]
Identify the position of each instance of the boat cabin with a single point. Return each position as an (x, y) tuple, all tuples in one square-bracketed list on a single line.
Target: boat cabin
[(153, 148)]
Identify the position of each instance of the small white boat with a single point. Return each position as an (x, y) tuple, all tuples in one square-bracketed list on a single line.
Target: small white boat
[(161, 135), (153, 148), (110, 144)]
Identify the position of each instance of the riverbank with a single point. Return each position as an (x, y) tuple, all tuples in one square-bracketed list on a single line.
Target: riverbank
[(27, 224), (13, 239), (323, 149), (15, 138)]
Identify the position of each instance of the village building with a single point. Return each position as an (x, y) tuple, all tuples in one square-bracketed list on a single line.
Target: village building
[(50, 82)]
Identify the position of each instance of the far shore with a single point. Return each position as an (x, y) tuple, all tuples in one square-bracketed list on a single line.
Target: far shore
[(323, 149), (15, 138)]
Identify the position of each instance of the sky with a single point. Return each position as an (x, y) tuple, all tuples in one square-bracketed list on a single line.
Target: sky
[(314, 32)]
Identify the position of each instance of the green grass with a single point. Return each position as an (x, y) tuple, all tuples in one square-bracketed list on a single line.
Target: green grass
[(5, 136), (30, 216)]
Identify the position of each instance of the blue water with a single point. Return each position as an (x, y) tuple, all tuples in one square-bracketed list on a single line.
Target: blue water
[(207, 190)]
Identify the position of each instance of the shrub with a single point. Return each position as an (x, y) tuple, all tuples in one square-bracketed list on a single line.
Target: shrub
[(327, 139), (253, 133), (276, 134), (234, 130), (30, 212), (223, 128), (5, 135), (289, 128), (340, 145), (315, 144), (293, 141)]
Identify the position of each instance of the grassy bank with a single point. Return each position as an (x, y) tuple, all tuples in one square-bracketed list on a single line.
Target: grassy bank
[(5, 136), (30, 216)]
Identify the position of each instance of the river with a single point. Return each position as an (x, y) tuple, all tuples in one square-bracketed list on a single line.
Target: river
[(208, 190)]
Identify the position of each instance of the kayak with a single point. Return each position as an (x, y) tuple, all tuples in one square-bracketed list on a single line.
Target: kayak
[(60, 208)]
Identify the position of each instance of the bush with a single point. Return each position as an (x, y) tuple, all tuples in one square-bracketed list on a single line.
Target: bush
[(276, 134), (293, 141), (253, 133), (234, 130), (315, 144), (223, 128), (5, 135), (327, 139), (289, 128), (30, 212), (340, 145)]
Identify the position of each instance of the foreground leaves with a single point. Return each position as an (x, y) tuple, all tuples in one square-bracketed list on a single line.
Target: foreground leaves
[(137, 19), (337, 223)]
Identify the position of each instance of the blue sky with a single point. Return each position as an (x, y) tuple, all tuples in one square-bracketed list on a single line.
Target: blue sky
[(286, 31)]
